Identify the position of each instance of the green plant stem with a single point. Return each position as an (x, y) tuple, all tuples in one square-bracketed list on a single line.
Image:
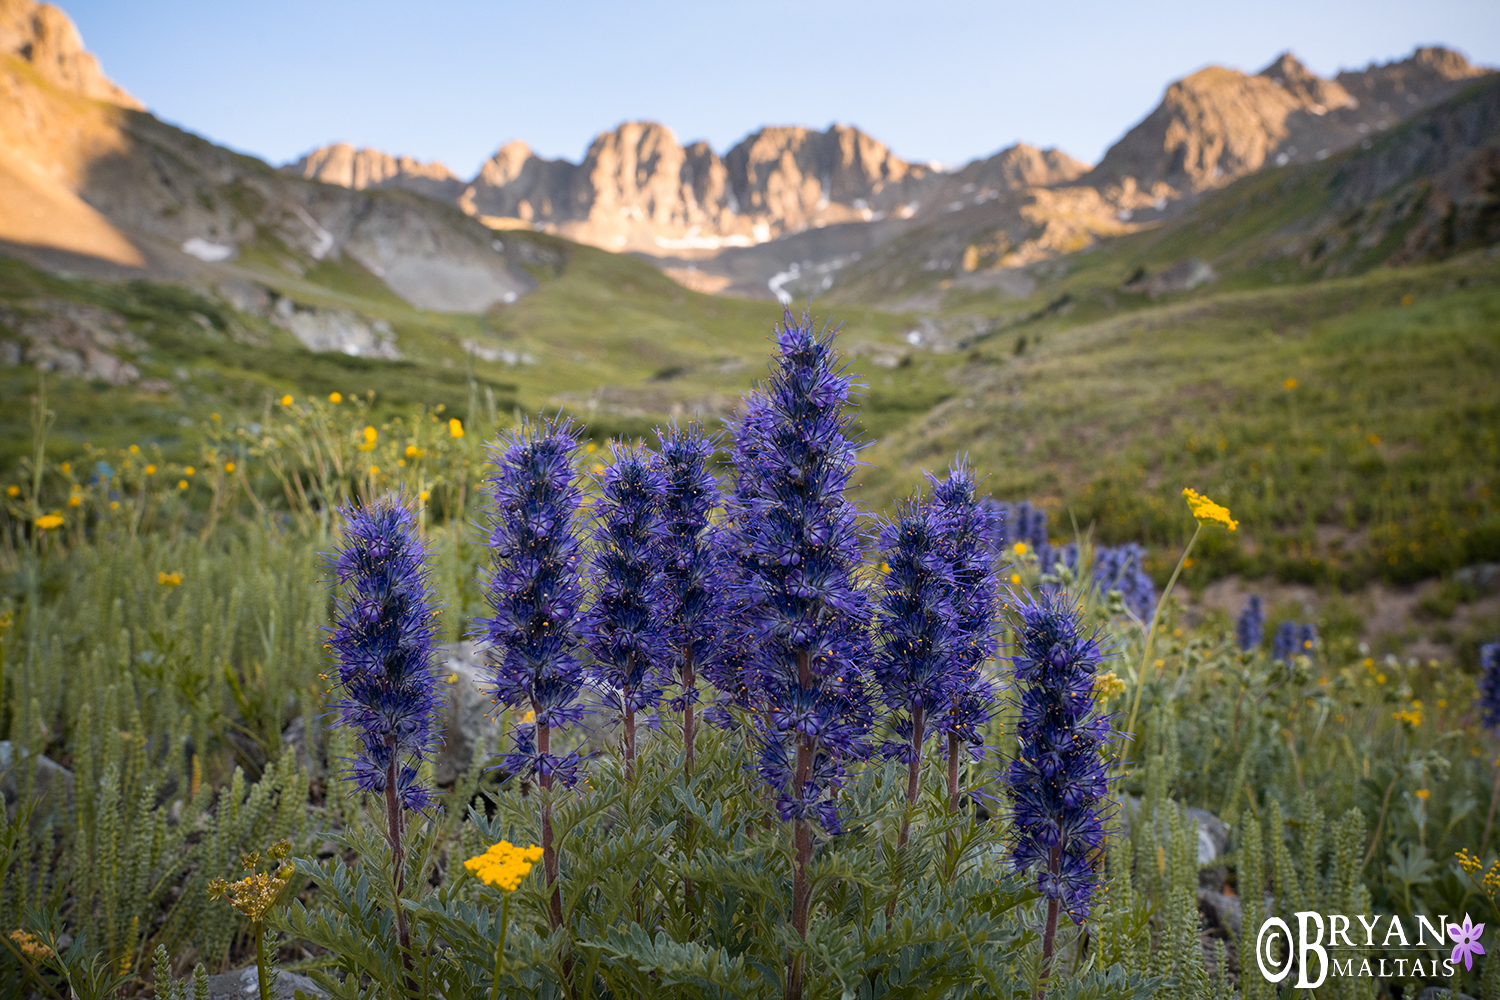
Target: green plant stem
[(1049, 932), (1150, 642), (500, 948), (262, 972)]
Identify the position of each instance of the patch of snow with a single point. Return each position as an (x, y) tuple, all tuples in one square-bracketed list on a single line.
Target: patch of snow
[(509, 297), (914, 337), (692, 241), (1159, 204), (1321, 154), (1282, 159), (206, 251), (322, 238), (908, 210), (778, 283), (955, 206), (1124, 214), (497, 246)]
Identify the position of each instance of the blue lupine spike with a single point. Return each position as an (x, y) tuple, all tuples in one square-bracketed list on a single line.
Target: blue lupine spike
[(384, 635), (1250, 626), (626, 628), (1058, 778), (534, 589), (799, 547), (1489, 684)]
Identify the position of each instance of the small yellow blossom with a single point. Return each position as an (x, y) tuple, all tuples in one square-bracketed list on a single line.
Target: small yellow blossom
[(67, 469), (334, 397), (411, 451), (257, 892), (214, 417), (172, 579), (190, 470), (286, 400), (150, 470), (598, 470), (1412, 718), (589, 448), (504, 865), (1019, 548), (374, 470), (182, 484), (1380, 678), (135, 449), (75, 500), (228, 466), (1373, 439), (1108, 684), (114, 505), (1015, 578), (422, 496), (49, 521), (31, 946), (1423, 794), (1206, 511), (1289, 384), (12, 491), (455, 427)]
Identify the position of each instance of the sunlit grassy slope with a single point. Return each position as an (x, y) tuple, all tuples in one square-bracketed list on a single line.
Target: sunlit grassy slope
[(1352, 425)]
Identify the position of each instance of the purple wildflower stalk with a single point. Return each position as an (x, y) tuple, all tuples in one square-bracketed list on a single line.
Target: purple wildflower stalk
[(1489, 716), (536, 594), (967, 524), (695, 570), (806, 615), (916, 622), (626, 628), (383, 636), (1057, 778), (1250, 626)]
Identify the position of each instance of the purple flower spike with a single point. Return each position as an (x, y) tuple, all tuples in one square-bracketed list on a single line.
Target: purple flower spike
[(800, 549), (626, 628), (1250, 626), (1057, 779), (383, 637), (534, 589), (967, 525), (1489, 685), (1122, 568)]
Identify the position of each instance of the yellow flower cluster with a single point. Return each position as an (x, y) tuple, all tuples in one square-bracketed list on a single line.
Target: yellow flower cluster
[(1108, 684), (1489, 881), (257, 892), (169, 579), (31, 946), (504, 865), (1412, 718), (1206, 511), (49, 521)]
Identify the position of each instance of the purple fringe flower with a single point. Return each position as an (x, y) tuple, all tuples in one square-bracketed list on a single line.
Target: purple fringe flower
[(918, 663), (967, 526), (1057, 780), (383, 636), (626, 627), (534, 589), (1250, 626), (697, 566), (1489, 684), (800, 545), (1123, 568), (1293, 639)]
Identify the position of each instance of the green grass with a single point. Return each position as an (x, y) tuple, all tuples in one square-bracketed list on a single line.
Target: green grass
[(1109, 418)]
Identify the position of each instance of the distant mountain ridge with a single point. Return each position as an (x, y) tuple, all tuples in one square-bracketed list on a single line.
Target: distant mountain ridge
[(728, 218)]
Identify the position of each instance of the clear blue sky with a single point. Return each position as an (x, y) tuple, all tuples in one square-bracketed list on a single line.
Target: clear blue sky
[(452, 80)]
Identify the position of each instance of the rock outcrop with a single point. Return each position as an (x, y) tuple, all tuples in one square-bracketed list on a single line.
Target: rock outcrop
[(48, 41), (1220, 124), (348, 167)]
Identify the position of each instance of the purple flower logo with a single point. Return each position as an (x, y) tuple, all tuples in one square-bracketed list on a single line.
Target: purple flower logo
[(1466, 936)]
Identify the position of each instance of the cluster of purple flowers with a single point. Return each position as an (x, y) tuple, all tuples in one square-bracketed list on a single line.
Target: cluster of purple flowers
[(800, 553), (626, 628), (383, 637), (1250, 626), (1489, 684), (535, 591), (1123, 568), (1058, 778), (1292, 639)]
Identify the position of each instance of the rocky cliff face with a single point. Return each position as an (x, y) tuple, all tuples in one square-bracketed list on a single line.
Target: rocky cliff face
[(1220, 124), (46, 39), (348, 167)]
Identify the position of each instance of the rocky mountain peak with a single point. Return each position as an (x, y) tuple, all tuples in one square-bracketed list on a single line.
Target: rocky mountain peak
[(45, 37), (1305, 86), (348, 167)]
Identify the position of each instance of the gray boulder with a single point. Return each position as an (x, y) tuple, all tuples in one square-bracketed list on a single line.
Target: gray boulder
[(52, 788), (1213, 840), (244, 984), (471, 717)]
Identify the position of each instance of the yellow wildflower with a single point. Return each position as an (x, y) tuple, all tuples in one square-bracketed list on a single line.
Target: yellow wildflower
[(1423, 794), (150, 470), (67, 469), (228, 466), (12, 491), (31, 946), (135, 449), (1015, 578), (49, 521), (1412, 718), (257, 892), (374, 470), (190, 471), (172, 579), (182, 484), (1206, 511), (422, 496), (1289, 384), (1108, 684), (1020, 548), (455, 427), (114, 505), (286, 400), (334, 397), (75, 500), (504, 865)]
